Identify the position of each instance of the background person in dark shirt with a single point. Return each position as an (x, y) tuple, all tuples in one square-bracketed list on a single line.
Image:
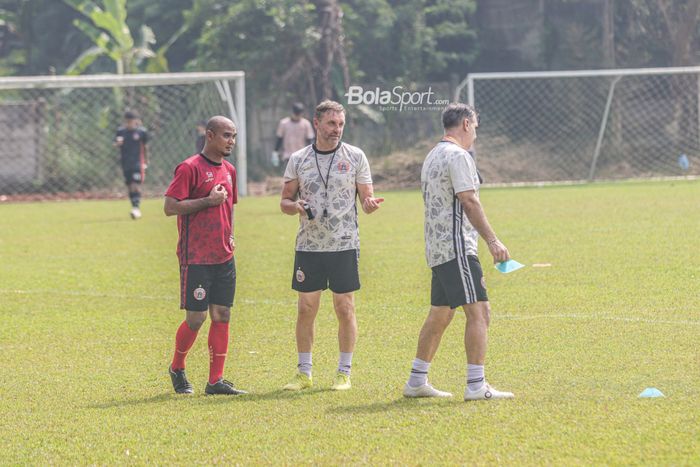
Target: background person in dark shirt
[(132, 141)]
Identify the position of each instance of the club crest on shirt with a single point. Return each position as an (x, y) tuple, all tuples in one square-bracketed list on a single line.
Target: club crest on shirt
[(343, 166), (210, 177), (300, 276), (199, 293), (230, 181), (136, 136)]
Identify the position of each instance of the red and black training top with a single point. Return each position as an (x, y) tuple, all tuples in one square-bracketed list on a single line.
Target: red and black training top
[(204, 235)]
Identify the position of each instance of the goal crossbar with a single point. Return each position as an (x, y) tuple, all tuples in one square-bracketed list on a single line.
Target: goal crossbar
[(233, 100), (108, 81), (471, 77), (28, 94), (588, 121)]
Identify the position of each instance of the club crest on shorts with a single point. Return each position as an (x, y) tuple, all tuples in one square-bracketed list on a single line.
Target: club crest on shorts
[(483, 283), (199, 293), (300, 275)]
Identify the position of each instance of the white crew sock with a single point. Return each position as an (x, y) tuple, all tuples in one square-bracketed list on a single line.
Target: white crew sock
[(305, 364), (419, 373), (345, 363), (475, 377)]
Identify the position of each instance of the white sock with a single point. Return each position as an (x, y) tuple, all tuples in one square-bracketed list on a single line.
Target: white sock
[(419, 373), (475, 377), (345, 363), (305, 365)]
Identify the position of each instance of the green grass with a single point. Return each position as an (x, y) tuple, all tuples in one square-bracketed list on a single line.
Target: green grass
[(89, 308)]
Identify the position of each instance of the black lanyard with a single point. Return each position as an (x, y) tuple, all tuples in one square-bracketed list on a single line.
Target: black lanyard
[(328, 178), (328, 175)]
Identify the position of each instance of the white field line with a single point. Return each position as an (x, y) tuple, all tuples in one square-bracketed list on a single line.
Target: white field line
[(80, 293), (572, 316), (597, 316), (85, 293)]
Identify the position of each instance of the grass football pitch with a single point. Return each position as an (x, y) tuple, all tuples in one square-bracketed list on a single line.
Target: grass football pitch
[(89, 307)]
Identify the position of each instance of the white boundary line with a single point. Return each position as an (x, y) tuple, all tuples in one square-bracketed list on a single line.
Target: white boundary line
[(596, 317), (69, 293)]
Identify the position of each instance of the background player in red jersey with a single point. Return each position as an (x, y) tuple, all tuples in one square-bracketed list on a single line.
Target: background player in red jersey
[(202, 194), (132, 141)]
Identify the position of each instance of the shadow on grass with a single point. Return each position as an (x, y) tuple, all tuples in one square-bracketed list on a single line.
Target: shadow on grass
[(132, 402), (402, 403), (277, 394)]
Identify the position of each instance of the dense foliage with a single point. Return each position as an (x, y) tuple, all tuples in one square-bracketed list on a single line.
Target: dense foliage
[(285, 42)]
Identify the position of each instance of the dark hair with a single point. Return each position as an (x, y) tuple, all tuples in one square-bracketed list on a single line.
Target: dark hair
[(297, 108), (455, 113), (130, 115), (328, 106)]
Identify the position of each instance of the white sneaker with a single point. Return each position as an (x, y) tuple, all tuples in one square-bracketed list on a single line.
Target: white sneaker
[(424, 391), (486, 393), (135, 213)]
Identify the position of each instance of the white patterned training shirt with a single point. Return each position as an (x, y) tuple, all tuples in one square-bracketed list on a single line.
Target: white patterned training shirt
[(327, 181), (448, 169)]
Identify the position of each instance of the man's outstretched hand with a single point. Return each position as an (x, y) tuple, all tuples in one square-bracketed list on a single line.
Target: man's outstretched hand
[(369, 205)]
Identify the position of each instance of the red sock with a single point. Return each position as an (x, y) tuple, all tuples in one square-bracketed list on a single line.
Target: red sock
[(184, 338), (218, 346)]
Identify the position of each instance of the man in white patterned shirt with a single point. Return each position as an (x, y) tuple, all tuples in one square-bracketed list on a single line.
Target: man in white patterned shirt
[(321, 184), (454, 219)]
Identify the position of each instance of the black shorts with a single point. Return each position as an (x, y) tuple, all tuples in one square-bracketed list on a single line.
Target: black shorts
[(133, 175), (456, 283), (205, 284), (337, 270)]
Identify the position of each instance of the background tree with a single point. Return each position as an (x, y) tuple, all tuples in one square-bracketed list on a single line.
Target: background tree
[(294, 46), (658, 32), (409, 41), (106, 27), (40, 37)]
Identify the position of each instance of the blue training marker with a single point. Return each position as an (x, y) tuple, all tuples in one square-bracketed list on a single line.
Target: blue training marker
[(509, 266), (651, 392)]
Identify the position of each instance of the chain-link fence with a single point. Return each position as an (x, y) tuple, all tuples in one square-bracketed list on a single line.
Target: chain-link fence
[(57, 134), (586, 125)]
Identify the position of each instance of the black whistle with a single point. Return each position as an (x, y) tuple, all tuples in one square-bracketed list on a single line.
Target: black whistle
[(309, 212)]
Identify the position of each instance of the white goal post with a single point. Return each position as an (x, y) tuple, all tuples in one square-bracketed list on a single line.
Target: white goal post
[(56, 132), (586, 124)]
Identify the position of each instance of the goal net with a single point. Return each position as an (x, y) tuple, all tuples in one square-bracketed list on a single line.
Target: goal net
[(586, 125), (57, 133)]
